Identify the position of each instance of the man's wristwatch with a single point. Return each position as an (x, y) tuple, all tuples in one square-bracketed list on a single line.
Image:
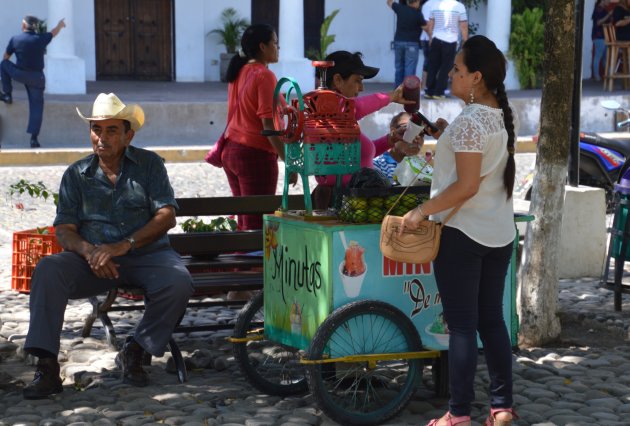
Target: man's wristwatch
[(132, 241)]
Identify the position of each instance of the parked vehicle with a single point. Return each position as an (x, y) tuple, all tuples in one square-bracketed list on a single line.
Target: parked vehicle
[(603, 160)]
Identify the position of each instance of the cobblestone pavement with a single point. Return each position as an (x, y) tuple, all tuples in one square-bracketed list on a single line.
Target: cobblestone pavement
[(564, 385)]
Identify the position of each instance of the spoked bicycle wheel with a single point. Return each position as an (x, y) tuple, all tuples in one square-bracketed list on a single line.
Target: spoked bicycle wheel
[(272, 368), (359, 389)]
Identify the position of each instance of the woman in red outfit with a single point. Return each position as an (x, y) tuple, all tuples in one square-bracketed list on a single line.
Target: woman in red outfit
[(250, 160)]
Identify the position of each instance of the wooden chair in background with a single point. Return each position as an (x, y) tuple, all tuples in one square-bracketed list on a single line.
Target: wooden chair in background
[(617, 59)]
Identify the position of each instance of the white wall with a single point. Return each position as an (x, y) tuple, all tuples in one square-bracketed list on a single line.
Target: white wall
[(212, 20), (369, 30), (370, 33), (84, 36), (11, 17)]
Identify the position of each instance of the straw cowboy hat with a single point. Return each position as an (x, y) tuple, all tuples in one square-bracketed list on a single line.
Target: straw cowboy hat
[(110, 107)]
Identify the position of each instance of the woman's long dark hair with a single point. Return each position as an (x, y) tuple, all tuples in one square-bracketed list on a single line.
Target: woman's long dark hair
[(250, 48), (481, 54)]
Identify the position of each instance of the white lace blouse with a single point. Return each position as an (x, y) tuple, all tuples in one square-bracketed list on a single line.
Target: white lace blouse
[(488, 217)]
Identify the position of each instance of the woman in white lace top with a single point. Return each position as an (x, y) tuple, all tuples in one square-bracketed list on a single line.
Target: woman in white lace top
[(474, 168)]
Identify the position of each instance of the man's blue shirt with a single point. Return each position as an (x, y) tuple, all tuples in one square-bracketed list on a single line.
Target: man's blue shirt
[(29, 49), (106, 213)]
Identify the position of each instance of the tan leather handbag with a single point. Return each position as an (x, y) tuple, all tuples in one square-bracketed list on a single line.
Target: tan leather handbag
[(418, 246), (412, 246)]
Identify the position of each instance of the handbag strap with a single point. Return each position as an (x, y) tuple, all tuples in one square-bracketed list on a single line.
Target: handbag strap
[(448, 216)]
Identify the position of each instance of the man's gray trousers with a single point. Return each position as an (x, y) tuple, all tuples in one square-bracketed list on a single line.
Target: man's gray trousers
[(58, 278)]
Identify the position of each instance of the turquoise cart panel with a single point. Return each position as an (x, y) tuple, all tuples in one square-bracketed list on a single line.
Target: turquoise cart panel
[(306, 278)]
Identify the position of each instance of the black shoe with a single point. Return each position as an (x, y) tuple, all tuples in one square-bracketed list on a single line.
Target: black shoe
[(129, 360), (34, 142), (47, 381), (6, 98)]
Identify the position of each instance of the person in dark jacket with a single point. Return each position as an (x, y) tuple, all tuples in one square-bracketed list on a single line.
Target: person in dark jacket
[(29, 48)]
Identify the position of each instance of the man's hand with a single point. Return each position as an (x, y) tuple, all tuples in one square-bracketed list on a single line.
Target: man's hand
[(61, 24), (100, 259)]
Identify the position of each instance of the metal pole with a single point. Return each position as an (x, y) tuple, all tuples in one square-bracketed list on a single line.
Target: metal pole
[(574, 148)]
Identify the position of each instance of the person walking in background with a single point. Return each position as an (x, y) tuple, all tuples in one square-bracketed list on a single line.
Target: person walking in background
[(474, 171), (409, 25), (29, 48), (621, 19), (424, 45), (600, 16), (447, 19), (250, 160)]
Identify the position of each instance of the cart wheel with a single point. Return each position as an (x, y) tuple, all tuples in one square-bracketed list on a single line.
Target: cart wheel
[(439, 373), (288, 119), (356, 393), (272, 368)]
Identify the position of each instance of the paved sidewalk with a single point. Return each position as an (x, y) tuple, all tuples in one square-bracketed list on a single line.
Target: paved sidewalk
[(564, 385)]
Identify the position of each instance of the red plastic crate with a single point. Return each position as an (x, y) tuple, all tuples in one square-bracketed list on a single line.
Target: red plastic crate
[(28, 247)]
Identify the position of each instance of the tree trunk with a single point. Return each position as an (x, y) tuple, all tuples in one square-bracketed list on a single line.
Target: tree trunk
[(538, 291)]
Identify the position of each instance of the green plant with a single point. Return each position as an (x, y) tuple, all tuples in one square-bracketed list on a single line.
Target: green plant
[(218, 224), (325, 39), (35, 190), (519, 6), (527, 47), (232, 30)]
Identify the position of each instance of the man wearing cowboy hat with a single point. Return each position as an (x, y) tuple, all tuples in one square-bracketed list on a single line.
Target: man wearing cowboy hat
[(29, 48), (115, 207)]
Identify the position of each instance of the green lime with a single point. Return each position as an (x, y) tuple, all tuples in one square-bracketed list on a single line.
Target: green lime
[(359, 216), (389, 201), (358, 203), (345, 215), (376, 202), (375, 215), (409, 200), (400, 210)]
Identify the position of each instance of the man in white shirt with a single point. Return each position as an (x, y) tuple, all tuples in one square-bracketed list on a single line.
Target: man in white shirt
[(447, 19)]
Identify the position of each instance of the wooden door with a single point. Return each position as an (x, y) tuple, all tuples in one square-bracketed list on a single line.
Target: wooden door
[(134, 39), (313, 19), (266, 12)]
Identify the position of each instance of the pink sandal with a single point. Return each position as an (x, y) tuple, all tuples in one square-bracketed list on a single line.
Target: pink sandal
[(450, 420), (492, 418)]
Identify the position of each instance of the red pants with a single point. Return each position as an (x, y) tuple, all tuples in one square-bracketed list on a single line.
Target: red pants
[(249, 171)]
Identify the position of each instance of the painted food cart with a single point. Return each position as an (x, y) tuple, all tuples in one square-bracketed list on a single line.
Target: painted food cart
[(335, 316), (346, 323)]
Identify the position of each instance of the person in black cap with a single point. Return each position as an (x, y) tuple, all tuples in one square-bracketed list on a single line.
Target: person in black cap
[(346, 77), (29, 48)]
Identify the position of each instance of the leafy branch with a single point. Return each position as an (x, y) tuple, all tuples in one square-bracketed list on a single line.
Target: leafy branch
[(34, 190), (218, 224)]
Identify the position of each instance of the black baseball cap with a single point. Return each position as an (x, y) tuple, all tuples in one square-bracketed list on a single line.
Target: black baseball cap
[(347, 63)]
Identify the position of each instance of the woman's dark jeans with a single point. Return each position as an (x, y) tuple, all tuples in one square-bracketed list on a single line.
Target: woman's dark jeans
[(471, 280)]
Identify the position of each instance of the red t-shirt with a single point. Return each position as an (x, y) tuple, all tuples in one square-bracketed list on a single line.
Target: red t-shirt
[(250, 99)]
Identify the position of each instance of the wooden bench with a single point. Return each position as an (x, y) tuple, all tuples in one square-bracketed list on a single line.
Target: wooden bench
[(219, 262)]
